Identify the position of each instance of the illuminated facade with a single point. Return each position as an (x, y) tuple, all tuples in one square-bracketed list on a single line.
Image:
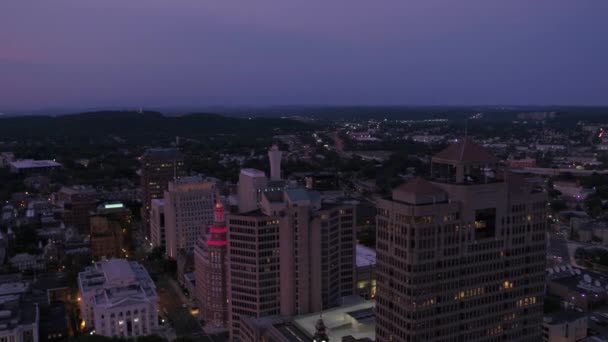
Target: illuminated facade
[(157, 223), (211, 271), (317, 252), (189, 204), (253, 268), (159, 167), (461, 257), (252, 184), (118, 299)]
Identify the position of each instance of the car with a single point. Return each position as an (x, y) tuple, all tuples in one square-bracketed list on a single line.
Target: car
[(184, 305), (593, 318)]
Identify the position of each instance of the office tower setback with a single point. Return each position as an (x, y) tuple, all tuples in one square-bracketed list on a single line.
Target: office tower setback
[(274, 156), (253, 268), (317, 252), (159, 167), (210, 268), (252, 183), (461, 257), (157, 223), (189, 204)]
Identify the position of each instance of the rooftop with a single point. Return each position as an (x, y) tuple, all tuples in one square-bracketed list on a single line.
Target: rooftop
[(419, 186), (565, 316), (15, 309), (30, 163), (297, 195), (356, 320), (253, 173), (464, 150), (77, 189), (419, 191), (158, 202), (163, 153), (578, 279), (115, 281), (365, 256)]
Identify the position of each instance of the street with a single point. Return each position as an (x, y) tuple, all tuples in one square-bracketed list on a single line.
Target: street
[(179, 317)]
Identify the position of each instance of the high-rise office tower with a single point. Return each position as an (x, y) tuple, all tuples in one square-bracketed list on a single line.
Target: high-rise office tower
[(297, 241), (189, 204), (252, 184), (157, 223), (159, 167), (461, 256), (317, 252), (253, 268), (274, 156), (210, 269)]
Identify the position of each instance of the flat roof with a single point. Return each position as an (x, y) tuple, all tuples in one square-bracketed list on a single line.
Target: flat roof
[(158, 202), (342, 321), (253, 173), (299, 194), (365, 256), (163, 153), (118, 270), (565, 316), (30, 164)]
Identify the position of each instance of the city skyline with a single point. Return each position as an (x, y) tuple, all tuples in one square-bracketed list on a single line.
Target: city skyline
[(156, 54)]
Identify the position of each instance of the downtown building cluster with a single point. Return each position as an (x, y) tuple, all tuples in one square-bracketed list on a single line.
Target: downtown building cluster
[(460, 254), (283, 250)]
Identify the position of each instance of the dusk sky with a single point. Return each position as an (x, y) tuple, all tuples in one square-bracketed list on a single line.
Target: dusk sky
[(162, 53)]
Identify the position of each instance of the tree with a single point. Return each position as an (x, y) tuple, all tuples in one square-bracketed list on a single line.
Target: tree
[(554, 193), (558, 205), (183, 339), (157, 253), (593, 205), (151, 338)]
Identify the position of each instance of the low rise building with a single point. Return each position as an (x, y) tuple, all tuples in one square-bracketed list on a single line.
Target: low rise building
[(77, 203), (34, 167), (521, 163), (118, 299), (572, 190), (577, 287), (565, 326), (110, 226), (353, 322), (27, 262), (589, 230), (19, 317)]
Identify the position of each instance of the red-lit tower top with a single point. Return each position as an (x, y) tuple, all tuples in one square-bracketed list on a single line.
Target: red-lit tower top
[(217, 232)]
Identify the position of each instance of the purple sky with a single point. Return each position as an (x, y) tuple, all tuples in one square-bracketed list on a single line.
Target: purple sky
[(74, 53)]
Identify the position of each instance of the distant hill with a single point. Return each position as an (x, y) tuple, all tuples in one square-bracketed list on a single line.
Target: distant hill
[(136, 127)]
